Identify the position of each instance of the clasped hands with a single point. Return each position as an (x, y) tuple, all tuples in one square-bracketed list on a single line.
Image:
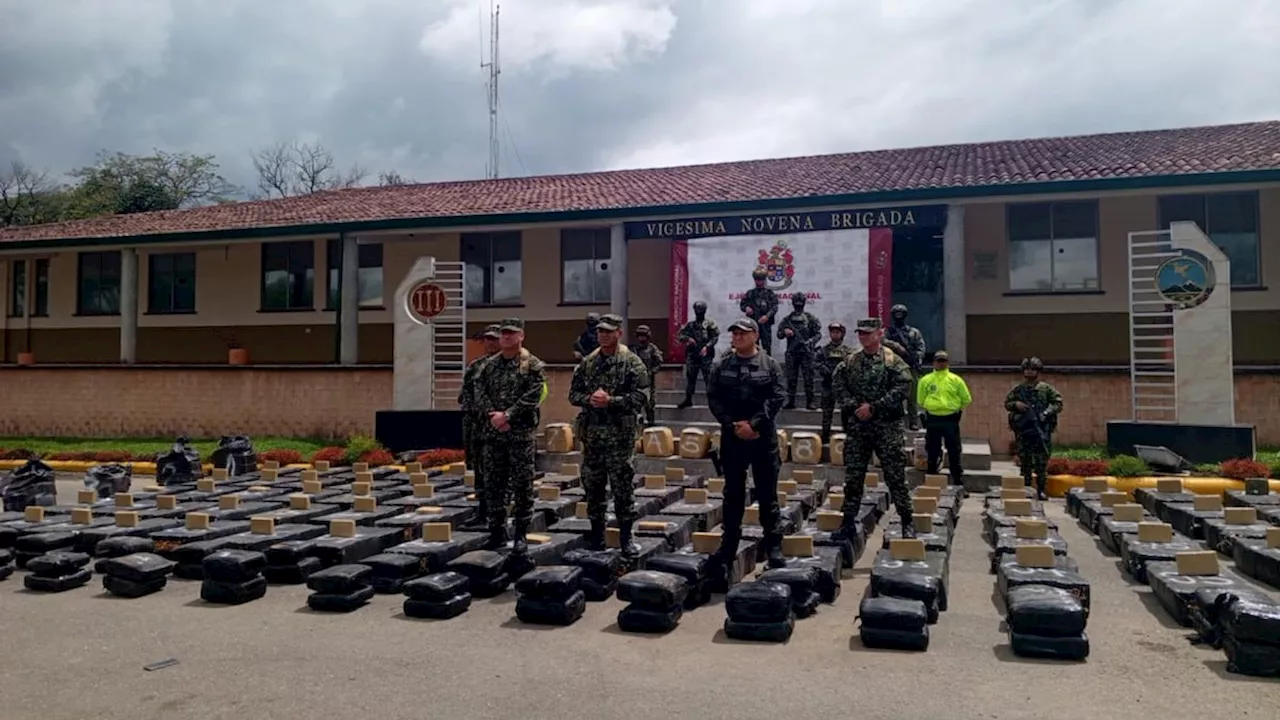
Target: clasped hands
[(599, 399), (863, 412), (743, 430)]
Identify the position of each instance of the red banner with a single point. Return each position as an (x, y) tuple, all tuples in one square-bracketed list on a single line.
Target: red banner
[(679, 298), (880, 273)]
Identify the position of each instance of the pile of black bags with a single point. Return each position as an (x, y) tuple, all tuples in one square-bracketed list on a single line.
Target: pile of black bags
[(32, 483), (600, 571), (119, 546), (233, 577), (390, 571), (235, 453), (136, 575), (291, 562), (341, 588), (57, 571), (1046, 622), (656, 601), (180, 465), (550, 595), (760, 610), (893, 623), (485, 571), (29, 547), (439, 596), (909, 580), (803, 581), (6, 564), (693, 567), (107, 480), (1251, 637)]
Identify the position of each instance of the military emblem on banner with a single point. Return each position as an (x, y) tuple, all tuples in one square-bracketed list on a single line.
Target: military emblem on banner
[(779, 265)]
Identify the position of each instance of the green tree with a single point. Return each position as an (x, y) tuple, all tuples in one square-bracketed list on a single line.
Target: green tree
[(119, 183)]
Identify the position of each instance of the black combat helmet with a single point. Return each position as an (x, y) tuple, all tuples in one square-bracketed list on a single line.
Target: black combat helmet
[(700, 307), (898, 309), (593, 318), (798, 299), (1032, 363), (759, 274)]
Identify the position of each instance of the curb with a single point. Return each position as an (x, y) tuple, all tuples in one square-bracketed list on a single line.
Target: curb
[(147, 468)]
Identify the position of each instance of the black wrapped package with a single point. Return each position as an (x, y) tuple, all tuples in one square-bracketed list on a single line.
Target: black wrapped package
[(126, 545), (233, 566), (1008, 544), (890, 613), (32, 483), (235, 453), (61, 583), (340, 579), (1209, 609), (691, 566), (109, 479), (1250, 658), (1188, 521), (601, 566), (653, 589), (121, 587), (1255, 559), (676, 530), (776, 632), (1177, 593), (36, 544), (233, 593), (1044, 611), (347, 550), (1056, 648), (437, 587), (294, 574), (758, 602), (438, 609), (1253, 621), (639, 618), (547, 611), (180, 465), (827, 562), (479, 565), (1012, 575), (806, 606), (597, 591), (340, 602), (801, 579), (892, 577), (1135, 554), (910, 586), (58, 563), (1220, 536), (886, 639), (551, 583), (391, 571), (433, 556), (138, 567)]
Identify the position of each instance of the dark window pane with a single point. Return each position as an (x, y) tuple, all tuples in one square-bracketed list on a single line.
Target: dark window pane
[(18, 288), (494, 271), (1232, 213), (1075, 220), (42, 288), (579, 284), (576, 245), (1178, 208), (98, 291), (1031, 265), (288, 275), (1030, 221), (506, 247), (603, 247), (370, 256)]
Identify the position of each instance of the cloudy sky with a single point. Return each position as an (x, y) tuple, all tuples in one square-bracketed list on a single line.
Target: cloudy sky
[(598, 84)]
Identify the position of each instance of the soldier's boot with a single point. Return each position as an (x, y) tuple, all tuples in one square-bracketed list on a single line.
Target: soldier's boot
[(630, 550), (809, 403), (497, 536), (791, 401), (688, 399), (908, 529), (773, 551), (1040, 488), (848, 530), (723, 559), (595, 538), (520, 543)]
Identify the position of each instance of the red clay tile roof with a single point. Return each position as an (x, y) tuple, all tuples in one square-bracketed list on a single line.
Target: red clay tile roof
[(1134, 155)]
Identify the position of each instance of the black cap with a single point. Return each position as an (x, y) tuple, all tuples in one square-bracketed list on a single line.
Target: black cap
[(745, 324), (609, 322)]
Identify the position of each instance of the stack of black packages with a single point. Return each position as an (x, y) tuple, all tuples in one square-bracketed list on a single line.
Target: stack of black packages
[(180, 465), (437, 597), (656, 601), (760, 610), (31, 546), (600, 571), (390, 571), (893, 623), (1208, 610), (803, 581), (550, 595), (693, 567), (32, 483), (107, 480), (235, 453), (1046, 622), (341, 588), (57, 571), (291, 562), (485, 571), (1251, 637), (233, 577), (136, 575), (114, 547), (6, 564)]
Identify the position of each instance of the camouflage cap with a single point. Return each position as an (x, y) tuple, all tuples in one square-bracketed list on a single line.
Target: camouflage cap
[(870, 324), (836, 326), (941, 355), (491, 331), (760, 274), (609, 322), (745, 324), (642, 330), (511, 324)]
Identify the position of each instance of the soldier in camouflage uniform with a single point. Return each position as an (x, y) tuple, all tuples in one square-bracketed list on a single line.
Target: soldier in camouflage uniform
[(509, 390), (871, 387), (652, 356), (586, 342), (802, 332), (611, 385), (1034, 406), (761, 304), (908, 343), (699, 337), (473, 421), (829, 358)]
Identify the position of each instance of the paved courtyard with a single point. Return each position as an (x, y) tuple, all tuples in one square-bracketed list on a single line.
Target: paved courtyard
[(81, 654)]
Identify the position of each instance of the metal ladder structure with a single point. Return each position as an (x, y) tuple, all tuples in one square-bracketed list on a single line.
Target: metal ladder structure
[(1153, 383), (449, 336)]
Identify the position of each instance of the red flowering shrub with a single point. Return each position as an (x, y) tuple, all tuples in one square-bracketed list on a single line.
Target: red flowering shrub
[(1244, 468), (335, 456), (441, 456), (114, 456), (1079, 468), (16, 454), (284, 457), (377, 458)]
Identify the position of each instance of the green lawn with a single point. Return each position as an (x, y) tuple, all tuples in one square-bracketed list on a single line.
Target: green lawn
[(150, 446), (1267, 456)]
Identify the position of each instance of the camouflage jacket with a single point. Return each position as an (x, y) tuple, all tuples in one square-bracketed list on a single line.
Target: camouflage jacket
[(830, 357), (515, 386), (907, 342), (651, 356), (763, 303), (880, 379), (807, 331), (1044, 404), (746, 389), (624, 377), (703, 334), (467, 395)]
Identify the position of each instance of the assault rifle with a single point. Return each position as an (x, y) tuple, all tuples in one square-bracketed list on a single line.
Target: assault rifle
[(1032, 424)]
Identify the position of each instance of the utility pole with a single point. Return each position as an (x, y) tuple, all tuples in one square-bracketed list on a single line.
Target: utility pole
[(491, 170)]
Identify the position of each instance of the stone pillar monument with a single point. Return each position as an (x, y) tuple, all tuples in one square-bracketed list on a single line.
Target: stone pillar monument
[(1198, 284), (415, 337)]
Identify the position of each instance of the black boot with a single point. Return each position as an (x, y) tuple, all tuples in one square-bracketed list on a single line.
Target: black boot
[(908, 529), (809, 404), (722, 560), (791, 403), (519, 544), (630, 550), (497, 537), (773, 553), (595, 538), (1040, 489)]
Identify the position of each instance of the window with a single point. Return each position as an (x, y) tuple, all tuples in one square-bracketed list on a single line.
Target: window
[(1053, 247), (584, 265), (370, 274), (288, 275), (1230, 220), (171, 283), (98, 283), (41, 308), (17, 288), (493, 268)]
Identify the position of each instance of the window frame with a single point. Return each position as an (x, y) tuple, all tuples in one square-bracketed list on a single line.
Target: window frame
[(1255, 200), (333, 273), (1011, 208), (82, 310), (40, 301), (170, 307), (489, 239), (18, 301), (596, 236), (309, 267)]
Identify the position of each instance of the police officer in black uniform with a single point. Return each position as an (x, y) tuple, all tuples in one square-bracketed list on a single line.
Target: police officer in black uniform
[(745, 394)]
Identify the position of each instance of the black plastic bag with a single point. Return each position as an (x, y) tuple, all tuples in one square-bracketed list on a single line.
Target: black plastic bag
[(107, 480), (653, 589), (1250, 658), (490, 588), (1252, 621), (438, 609), (233, 593), (60, 583), (552, 583), (758, 602), (1208, 610), (233, 566), (548, 611), (391, 570), (1255, 559), (6, 571), (639, 618), (890, 613), (235, 453), (597, 591), (481, 566), (602, 566), (294, 574), (688, 565), (879, 638), (289, 552), (437, 587), (32, 483), (6, 557), (1044, 611), (828, 563), (123, 587), (189, 571), (123, 545), (340, 602), (801, 580), (138, 568), (806, 606), (58, 563), (777, 632), (1056, 648), (340, 579), (180, 465), (1012, 575)]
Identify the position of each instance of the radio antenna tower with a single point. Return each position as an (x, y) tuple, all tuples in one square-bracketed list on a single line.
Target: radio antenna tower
[(491, 169)]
